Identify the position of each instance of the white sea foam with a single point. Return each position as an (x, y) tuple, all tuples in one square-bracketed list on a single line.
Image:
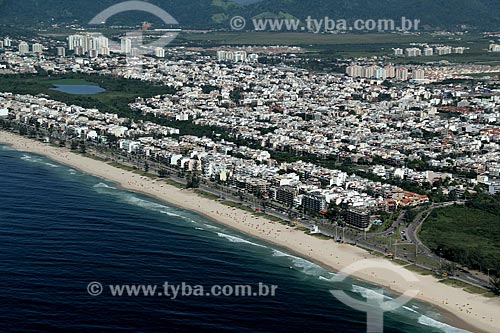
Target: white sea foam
[(410, 309), (146, 204), (32, 159), (102, 185), (209, 226), (305, 266), (198, 228), (369, 293), (330, 278), (169, 213), (234, 239), (427, 321)]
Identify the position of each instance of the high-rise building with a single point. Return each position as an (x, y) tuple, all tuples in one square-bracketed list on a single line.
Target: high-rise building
[(493, 47), (7, 42), (78, 50), (418, 74), (369, 72), (104, 51), (37, 48), (253, 57), (61, 51), (126, 45), (234, 56), (413, 52), (221, 55), (286, 195), (314, 202), (354, 71), (390, 70), (93, 53), (358, 218), (428, 51), (398, 52), (443, 50), (24, 48), (402, 74), (100, 42), (240, 56), (160, 52), (380, 74), (88, 42), (72, 42), (134, 52)]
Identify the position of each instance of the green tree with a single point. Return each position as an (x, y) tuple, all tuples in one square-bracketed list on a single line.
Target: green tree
[(193, 180), (83, 149), (162, 173), (495, 285)]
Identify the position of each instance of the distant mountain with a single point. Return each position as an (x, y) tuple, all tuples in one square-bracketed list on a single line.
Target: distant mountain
[(482, 14)]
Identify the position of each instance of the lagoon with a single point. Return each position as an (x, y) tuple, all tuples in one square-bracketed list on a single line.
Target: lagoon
[(78, 89)]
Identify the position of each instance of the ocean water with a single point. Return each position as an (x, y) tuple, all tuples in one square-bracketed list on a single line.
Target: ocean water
[(61, 229)]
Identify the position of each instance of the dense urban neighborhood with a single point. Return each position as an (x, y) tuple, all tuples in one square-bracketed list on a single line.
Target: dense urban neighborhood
[(362, 150)]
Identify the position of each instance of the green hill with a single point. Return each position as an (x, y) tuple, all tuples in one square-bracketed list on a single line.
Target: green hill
[(481, 14)]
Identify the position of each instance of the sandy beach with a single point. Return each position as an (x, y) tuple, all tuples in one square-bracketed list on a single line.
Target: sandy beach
[(461, 309)]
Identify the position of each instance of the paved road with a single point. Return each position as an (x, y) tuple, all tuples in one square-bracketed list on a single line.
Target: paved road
[(412, 234), (345, 235)]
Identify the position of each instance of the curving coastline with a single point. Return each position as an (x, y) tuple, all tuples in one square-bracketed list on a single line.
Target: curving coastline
[(468, 311)]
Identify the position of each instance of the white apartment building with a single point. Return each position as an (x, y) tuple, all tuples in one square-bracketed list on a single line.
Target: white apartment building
[(418, 75), (398, 52), (402, 74), (354, 71), (126, 45), (24, 48), (37, 48), (413, 52), (61, 51), (160, 52)]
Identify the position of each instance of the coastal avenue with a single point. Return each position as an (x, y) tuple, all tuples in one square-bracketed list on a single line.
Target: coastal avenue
[(351, 236), (346, 235)]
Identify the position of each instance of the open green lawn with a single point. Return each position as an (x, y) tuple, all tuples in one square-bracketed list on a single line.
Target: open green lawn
[(467, 287), (350, 44)]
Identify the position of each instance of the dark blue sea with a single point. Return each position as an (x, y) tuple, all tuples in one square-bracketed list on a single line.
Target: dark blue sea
[(61, 229)]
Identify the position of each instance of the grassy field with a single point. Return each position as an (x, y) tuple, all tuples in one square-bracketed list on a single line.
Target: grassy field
[(71, 82), (467, 287), (347, 45), (303, 39), (467, 236)]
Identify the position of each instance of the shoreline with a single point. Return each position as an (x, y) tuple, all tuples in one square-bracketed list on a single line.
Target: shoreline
[(458, 308)]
